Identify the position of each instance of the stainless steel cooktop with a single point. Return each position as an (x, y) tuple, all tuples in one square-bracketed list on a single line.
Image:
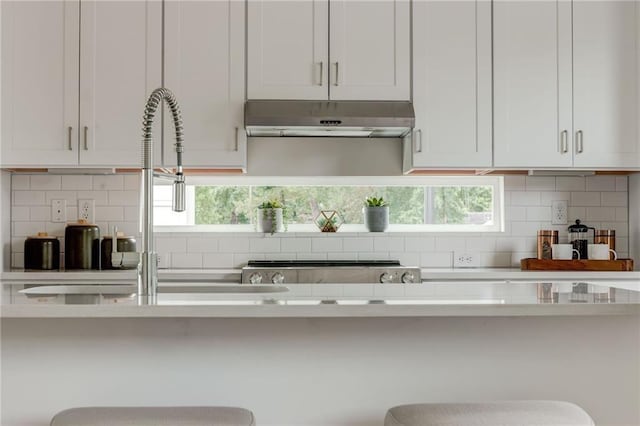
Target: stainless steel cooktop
[(328, 271)]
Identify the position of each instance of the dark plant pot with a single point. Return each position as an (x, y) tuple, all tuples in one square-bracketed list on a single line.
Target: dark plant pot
[(376, 219)]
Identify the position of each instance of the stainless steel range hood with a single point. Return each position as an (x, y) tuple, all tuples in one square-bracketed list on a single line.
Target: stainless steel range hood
[(364, 119)]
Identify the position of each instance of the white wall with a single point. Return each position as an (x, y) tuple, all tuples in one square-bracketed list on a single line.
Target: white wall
[(5, 220), (634, 218), (319, 372), (600, 201)]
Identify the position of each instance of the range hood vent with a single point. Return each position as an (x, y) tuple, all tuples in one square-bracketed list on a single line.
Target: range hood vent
[(361, 119)]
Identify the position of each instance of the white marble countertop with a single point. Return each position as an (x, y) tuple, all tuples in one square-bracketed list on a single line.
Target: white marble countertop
[(447, 298)]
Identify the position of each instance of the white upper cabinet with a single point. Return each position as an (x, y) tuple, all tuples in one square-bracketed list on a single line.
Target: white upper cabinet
[(288, 49), (39, 83), (605, 83), (205, 68), (532, 84), (451, 85), (120, 65), (566, 84), (75, 76), (370, 50), (360, 52)]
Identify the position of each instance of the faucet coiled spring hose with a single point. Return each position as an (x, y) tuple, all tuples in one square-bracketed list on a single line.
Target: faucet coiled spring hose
[(156, 97)]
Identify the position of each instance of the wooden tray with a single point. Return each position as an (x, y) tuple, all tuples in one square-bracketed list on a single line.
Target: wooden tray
[(532, 264)]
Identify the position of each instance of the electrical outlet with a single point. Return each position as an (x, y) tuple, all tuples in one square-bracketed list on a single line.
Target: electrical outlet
[(87, 210), (58, 210), (466, 260), (559, 212)]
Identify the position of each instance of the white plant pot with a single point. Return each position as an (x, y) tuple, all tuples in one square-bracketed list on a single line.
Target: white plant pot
[(270, 220)]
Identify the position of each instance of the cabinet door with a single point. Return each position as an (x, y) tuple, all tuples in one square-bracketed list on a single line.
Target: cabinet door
[(605, 40), (287, 49), (204, 67), (120, 64), (452, 84), (40, 83), (370, 50), (532, 84)]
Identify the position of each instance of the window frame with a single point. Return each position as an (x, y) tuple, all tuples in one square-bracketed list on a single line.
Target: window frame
[(496, 182)]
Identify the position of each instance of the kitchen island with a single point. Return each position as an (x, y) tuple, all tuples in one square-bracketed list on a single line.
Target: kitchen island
[(329, 354)]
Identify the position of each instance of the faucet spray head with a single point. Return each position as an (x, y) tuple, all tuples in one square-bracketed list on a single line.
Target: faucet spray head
[(179, 197)]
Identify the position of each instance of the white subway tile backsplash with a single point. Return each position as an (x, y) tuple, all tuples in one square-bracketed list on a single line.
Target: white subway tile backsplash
[(186, 260), (585, 199), (614, 199), (357, 244), (295, 245), (524, 198), (131, 182), (170, 244), (264, 245), (73, 182), (20, 214), (548, 197), (123, 198), (607, 214), (326, 244), (622, 183), (109, 182), (20, 182), (45, 182), (540, 183), (202, 245), (29, 198), (110, 214), (217, 260), (570, 183), (436, 260), (600, 201), (100, 197), (234, 245), (39, 213), (601, 183), (419, 244), (539, 214)]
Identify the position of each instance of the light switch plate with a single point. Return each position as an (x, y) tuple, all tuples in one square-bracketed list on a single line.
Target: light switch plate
[(559, 212)]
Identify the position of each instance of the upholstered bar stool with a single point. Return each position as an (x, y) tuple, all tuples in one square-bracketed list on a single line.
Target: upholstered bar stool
[(503, 413), (154, 416)]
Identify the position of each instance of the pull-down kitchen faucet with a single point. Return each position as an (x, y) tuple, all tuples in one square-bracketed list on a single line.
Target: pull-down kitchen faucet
[(148, 271)]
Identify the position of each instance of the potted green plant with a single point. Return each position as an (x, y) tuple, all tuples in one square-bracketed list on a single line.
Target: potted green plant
[(376, 214), (271, 216), (328, 221)]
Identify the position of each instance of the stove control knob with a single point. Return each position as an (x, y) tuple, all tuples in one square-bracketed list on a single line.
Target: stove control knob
[(255, 278), (386, 278), (277, 278), (408, 278)]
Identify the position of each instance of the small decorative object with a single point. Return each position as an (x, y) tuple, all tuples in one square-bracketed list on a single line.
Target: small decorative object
[(271, 216), (376, 214), (328, 221)]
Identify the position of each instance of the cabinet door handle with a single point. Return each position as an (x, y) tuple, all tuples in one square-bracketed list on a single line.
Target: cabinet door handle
[(418, 143), (236, 139), (335, 81), (579, 142), (564, 147), (69, 131), (86, 130), (321, 80)]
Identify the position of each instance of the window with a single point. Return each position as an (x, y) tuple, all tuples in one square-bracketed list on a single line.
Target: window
[(416, 203)]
